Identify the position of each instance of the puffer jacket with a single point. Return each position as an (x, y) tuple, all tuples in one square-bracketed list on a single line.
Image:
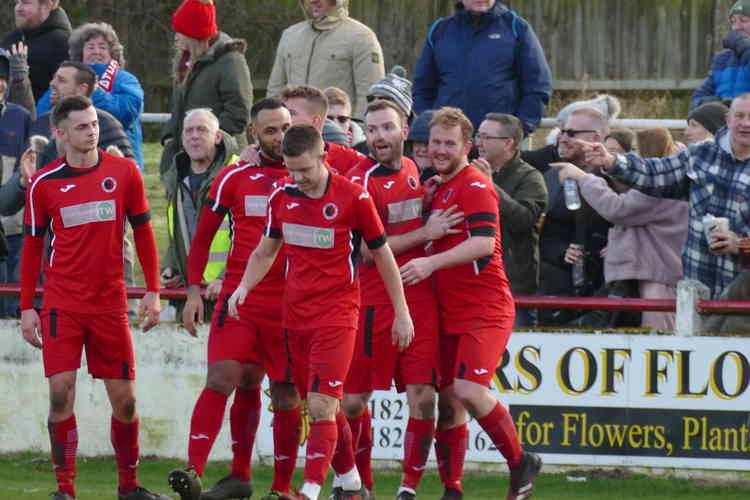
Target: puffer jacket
[(728, 78), (483, 64), (48, 47), (334, 51), (220, 81)]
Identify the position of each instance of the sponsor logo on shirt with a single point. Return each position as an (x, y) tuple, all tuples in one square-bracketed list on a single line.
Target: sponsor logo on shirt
[(330, 211), (255, 206), (478, 184), (67, 188), (256, 177), (86, 213), (109, 184), (412, 182), (292, 205), (335, 383), (356, 178), (199, 436), (480, 371), (364, 196), (389, 184), (447, 195), (404, 210), (308, 236)]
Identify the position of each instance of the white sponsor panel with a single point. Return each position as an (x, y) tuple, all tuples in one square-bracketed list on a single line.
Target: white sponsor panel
[(85, 213), (403, 211), (308, 236), (255, 206)]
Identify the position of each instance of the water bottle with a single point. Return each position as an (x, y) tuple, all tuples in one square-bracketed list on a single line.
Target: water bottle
[(572, 198), (579, 272)]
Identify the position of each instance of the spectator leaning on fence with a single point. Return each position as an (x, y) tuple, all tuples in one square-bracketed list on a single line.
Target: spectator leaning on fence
[(729, 75), (117, 91), (210, 71), (648, 233), (329, 50), (483, 59), (714, 177), (523, 199), (205, 151), (44, 27)]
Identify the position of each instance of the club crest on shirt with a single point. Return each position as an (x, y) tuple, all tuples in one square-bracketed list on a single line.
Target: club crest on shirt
[(412, 182), (447, 195), (330, 211), (109, 184)]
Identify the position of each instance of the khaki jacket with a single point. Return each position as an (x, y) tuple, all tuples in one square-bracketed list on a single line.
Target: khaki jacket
[(334, 51)]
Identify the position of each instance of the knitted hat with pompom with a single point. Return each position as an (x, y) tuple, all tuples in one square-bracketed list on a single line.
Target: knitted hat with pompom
[(196, 19)]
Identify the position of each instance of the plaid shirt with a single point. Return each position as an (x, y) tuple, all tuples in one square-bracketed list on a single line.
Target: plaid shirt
[(713, 182)]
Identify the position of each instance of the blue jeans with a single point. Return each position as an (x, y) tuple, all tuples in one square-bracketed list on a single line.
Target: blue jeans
[(9, 269)]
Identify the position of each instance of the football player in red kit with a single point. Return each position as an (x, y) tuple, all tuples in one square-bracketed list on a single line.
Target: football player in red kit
[(238, 348), (476, 310), (393, 183), (322, 218), (309, 106), (82, 200)]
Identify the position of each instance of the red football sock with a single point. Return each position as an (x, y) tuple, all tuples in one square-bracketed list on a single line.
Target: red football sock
[(498, 424), (63, 437), (363, 450), (343, 456), (124, 439), (320, 445), (244, 417), (205, 424), (287, 430), (419, 435), (450, 448)]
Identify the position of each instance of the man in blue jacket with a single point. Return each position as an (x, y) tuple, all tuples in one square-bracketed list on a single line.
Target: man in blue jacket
[(729, 75), (483, 59), (118, 92)]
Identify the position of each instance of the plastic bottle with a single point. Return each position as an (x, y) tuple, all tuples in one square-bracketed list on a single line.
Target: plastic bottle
[(572, 198)]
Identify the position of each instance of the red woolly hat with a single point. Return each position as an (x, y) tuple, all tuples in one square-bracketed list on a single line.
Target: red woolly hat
[(196, 19)]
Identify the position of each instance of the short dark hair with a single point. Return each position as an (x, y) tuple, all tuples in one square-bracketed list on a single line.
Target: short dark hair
[(512, 126), (624, 137), (84, 75), (301, 139), (315, 97), (64, 107), (382, 105), (269, 103)]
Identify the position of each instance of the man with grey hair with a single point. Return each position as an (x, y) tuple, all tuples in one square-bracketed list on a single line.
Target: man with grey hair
[(44, 26), (117, 91), (523, 199), (205, 151)]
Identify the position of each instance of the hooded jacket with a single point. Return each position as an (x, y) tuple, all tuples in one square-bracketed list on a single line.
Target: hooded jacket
[(484, 64), (334, 51), (182, 211), (220, 81), (48, 47)]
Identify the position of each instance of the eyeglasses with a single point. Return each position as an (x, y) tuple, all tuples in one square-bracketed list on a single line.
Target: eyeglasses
[(341, 118), (485, 137), (573, 133)]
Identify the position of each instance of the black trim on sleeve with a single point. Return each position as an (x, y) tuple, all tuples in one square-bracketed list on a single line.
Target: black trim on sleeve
[(34, 230), (376, 243), (139, 220), (482, 231), (482, 262), (369, 319), (481, 217), (221, 209), (273, 233)]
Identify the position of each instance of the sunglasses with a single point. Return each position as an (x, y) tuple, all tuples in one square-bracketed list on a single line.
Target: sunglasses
[(485, 137), (341, 118), (573, 133)]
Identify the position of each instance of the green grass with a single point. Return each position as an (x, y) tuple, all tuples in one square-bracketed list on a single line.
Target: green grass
[(30, 476)]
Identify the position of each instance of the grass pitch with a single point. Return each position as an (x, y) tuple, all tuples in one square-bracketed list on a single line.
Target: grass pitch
[(30, 477)]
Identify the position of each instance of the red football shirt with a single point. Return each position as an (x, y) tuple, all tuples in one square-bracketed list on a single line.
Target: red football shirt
[(398, 196), (474, 295), (322, 238), (242, 191), (342, 159), (84, 211)]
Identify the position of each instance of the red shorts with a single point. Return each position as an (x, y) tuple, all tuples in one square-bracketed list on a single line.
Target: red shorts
[(106, 337), (377, 362), (247, 340), (473, 356), (321, 359)]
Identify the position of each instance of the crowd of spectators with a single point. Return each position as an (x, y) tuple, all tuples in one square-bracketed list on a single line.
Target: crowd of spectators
[(328, 84)]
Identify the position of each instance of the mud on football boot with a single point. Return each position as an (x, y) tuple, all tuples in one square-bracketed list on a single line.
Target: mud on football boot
[(59, 495), (186, 483), (522, 476), (452, 494), (229, 488), (141, 493)]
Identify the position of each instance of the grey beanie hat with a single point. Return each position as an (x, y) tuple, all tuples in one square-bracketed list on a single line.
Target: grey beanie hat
[(394, 87), (711, 115), (740, 7), (420, 129)]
